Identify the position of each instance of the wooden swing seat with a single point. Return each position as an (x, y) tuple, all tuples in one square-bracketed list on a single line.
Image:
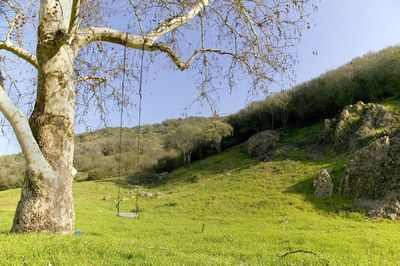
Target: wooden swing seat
[(131, 215)]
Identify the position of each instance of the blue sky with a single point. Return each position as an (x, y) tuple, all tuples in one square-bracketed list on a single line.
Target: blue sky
[(343, 29)]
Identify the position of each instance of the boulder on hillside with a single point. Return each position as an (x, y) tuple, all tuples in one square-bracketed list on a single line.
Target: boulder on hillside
[(323, 185), (262, 145), (372, 177), (387, 208), (162, 175), (359, 123)]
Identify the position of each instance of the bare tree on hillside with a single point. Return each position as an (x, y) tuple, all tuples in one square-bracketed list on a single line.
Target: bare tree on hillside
[(71, 47)]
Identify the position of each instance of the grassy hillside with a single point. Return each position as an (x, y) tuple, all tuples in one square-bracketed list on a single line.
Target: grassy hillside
[(225, 210), (98, 152)]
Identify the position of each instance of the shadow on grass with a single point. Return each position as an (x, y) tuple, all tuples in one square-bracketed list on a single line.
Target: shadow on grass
[(336, 164), (332, 205)]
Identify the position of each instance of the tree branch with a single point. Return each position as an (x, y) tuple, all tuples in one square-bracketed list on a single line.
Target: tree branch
[(175, 22), (33, 155), (148, 41), (87, 36), (91, 78), (20, 52), (73, 22)]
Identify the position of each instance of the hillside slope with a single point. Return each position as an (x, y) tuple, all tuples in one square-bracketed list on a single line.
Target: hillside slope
[(370, 78), (98, 152), (225, 210)]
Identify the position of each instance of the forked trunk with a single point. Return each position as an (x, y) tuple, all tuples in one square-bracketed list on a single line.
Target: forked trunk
[(46, 203)]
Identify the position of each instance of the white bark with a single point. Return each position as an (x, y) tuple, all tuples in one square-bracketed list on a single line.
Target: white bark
[(29, 146), (19, 51), (58, 11), (46, 203), (171, 24)]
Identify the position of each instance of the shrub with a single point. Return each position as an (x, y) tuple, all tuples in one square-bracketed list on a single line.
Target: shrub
[(98, 174)]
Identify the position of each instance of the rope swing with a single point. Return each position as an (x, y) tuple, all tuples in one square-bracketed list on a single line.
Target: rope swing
[(131, 214)]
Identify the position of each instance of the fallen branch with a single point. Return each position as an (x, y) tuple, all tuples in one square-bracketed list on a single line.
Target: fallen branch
[(298, 251), (304, 251)]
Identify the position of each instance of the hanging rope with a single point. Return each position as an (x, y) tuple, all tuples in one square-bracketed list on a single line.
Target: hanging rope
[(139, 129), (137, 209), (121, 117)]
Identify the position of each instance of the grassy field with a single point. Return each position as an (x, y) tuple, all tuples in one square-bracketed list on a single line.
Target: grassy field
[(225, 210)]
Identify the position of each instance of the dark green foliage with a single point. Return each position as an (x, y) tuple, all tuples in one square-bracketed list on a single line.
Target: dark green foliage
[(12, 169), (168, 163), (97, 174), (371, 78)]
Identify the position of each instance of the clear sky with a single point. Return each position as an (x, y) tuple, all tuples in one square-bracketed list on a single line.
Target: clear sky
[(343, 29)]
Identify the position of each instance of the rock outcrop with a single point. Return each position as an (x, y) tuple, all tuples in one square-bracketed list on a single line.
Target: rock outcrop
[(387, 208), (372, 177), (358, 124), (323, 185), (262, 145)]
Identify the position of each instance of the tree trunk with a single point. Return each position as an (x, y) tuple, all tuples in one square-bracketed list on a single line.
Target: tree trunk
[(218, 146), (189, 157), (46, 203)]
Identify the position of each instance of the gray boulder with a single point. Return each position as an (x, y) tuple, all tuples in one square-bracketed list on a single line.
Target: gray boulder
[(263, 144), (387, 208), (145, 194), (162, 175), (323, 185), (359, 123), (372, 177), (159, 195)]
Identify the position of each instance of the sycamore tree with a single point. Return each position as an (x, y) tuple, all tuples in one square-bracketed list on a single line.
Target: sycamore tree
[(184, 139), (72, 51), (215, 131)]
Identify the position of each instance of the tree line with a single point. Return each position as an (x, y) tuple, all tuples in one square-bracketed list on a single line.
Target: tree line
[(370, 78)]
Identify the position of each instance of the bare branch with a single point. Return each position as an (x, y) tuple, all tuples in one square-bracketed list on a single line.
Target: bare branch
[(12, 22), (87, 36), (175, 22), (74, 22), (139, 42), (20, 52), (91, 78), (17, 119)]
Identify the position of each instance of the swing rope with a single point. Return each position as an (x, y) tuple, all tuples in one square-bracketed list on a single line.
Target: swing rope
[(139, 129), (121, 118), (137, 209)]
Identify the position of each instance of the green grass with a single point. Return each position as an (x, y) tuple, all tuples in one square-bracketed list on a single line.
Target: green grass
[(302, 134), (393, 105), (252, 212)]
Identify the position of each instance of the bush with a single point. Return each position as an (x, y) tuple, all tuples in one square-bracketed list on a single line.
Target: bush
[(168, 163), (98, 174)]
